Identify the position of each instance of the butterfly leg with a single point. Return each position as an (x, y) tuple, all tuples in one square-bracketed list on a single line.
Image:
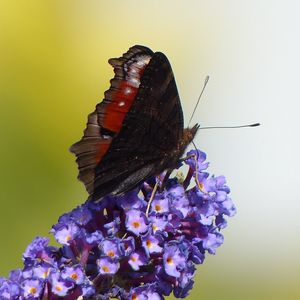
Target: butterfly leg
[(164, 181), (191, 172), (187, 157), (151, 198)]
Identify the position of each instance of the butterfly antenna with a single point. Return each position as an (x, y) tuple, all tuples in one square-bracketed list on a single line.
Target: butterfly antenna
[(225, 127), (204, 85)]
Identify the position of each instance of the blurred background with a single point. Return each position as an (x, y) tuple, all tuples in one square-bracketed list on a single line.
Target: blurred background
[(54, 70)]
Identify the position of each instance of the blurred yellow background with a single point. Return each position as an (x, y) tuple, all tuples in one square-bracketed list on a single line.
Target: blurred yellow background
[(54, 69)]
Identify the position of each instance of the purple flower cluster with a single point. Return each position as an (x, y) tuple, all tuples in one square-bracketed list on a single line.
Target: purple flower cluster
[(142, 245)]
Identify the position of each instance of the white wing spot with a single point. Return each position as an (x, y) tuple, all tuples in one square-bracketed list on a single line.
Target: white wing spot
[(121, 103), (127, 91), (134, 82)]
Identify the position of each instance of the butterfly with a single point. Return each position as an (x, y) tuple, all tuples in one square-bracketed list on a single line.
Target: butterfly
[(137, 130)]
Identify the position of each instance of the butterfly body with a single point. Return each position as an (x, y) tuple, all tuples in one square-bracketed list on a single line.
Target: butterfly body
[(137, 131)]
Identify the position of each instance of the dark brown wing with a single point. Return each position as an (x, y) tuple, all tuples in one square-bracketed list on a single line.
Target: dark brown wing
[(150, 130), (107, 119)]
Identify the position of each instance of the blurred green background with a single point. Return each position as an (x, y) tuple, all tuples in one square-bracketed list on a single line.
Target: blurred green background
[(54, 69)]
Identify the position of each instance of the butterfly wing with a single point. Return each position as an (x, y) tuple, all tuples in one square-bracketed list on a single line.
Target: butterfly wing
[(133, 131)]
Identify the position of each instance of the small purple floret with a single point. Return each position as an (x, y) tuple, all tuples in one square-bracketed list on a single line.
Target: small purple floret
[(60, 286), (75, 274), (66, 234), (174, 260), (136, 221), (137, 259), (107, 266), (110, 248), (32, 288), (151, 243)]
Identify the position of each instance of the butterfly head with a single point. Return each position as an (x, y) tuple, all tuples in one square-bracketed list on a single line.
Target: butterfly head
[(188, 136)]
